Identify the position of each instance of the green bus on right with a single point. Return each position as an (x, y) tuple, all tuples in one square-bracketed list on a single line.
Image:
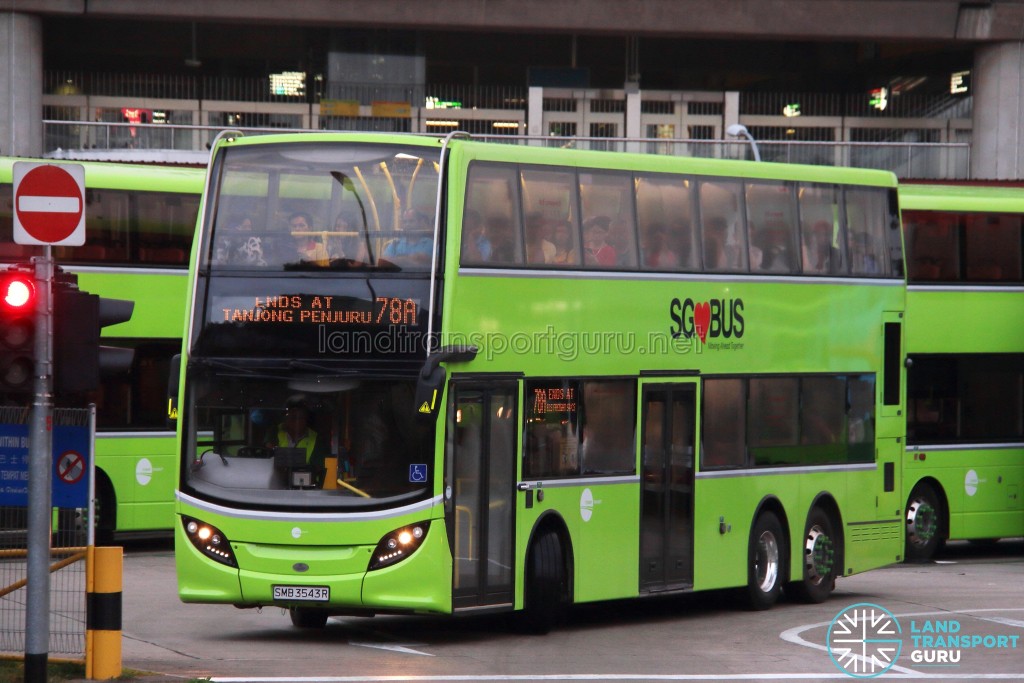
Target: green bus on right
[(963, 477)]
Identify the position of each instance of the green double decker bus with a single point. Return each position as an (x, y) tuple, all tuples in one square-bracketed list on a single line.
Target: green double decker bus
[(446, 375), (139, 225), (963, 477)]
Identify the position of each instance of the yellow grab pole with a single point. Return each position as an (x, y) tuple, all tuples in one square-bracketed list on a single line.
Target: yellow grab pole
[(103, 613)]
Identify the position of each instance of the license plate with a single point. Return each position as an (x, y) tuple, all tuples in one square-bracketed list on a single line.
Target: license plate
[(304, 593)]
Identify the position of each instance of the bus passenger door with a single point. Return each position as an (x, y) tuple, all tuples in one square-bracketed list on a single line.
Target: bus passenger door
[(668, 414), (480, 453)]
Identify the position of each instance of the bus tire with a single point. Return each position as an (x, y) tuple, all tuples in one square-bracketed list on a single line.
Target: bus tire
[(308, 617), (923, 524), (820, 553), (544, 600), (105, 507), (766, 562)]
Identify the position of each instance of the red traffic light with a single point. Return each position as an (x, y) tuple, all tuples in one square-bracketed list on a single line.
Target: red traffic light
[(18, 292)]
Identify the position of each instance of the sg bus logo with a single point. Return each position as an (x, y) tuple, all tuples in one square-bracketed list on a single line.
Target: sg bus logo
[(715, 318)]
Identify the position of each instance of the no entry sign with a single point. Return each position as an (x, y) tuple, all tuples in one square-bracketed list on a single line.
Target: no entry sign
[(49, 203)]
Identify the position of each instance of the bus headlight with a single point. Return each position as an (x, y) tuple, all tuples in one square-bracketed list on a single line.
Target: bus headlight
[(398, 545), (209, 541)]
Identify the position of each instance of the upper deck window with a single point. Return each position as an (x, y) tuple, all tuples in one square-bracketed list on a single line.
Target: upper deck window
[(963, 247), (324, 206), (518, 216), (128, 227)]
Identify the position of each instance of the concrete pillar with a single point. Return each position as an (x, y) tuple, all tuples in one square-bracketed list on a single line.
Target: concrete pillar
[(21, 78), (730, 110), (634, 125), (535, 112), (998, 81)]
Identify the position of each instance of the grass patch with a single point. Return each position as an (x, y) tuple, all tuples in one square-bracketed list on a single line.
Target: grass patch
[(13, 671)]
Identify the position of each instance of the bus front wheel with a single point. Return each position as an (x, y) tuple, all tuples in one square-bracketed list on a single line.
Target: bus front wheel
[(544, 600), (820, 559), (765, 562), (308, 617), (923, 519)]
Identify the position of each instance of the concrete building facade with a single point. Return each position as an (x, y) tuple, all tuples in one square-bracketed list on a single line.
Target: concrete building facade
[(678, 46)]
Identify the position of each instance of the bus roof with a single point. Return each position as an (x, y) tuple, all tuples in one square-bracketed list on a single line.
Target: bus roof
[(514, 149), (969, 198), (113, 175)]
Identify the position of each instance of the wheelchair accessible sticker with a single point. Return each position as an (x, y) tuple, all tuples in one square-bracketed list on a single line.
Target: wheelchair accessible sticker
[(418, 474)]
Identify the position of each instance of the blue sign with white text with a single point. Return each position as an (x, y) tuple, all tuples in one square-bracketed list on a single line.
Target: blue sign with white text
[(70, 458)]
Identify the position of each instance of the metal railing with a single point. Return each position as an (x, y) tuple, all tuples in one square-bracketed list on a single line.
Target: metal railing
[(189, 144)]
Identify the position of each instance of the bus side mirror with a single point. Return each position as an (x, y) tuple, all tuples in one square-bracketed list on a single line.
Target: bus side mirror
[(173, 384), (431, 378)]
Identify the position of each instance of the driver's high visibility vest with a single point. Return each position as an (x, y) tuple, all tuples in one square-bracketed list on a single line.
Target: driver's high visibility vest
[(308, 441)]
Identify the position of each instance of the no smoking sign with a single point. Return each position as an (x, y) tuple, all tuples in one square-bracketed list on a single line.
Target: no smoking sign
[(70, 467), (49, 203)]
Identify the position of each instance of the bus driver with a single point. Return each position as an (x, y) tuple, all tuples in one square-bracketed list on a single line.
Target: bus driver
[(295, 432)]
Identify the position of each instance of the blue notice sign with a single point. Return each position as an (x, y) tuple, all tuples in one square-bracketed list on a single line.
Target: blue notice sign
[(70, 474), (14, 465)]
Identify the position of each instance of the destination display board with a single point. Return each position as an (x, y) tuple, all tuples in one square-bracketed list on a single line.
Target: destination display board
[(315, 318)]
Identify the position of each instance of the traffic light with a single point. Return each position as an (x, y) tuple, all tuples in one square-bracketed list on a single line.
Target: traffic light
[(78, 358), (18, 331)]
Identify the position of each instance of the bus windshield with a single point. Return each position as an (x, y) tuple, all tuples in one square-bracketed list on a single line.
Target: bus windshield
[(317, 206), (318, 443)]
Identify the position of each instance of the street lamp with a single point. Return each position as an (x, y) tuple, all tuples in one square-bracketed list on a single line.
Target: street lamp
[(738, 130)]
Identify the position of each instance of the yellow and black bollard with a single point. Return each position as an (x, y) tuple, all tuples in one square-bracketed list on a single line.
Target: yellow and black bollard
[(103, 613)]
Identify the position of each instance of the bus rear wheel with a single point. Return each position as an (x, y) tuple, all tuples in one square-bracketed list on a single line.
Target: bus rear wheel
[(820, 555), (308, 617), (765, 562), (923, 520), (544, 600)]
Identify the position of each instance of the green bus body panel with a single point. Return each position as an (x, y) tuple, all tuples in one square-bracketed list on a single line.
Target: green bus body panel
[(982, 485), (962, 198), (335, 556), (961, 321), (605, 330), (159, 298), (143, 470)]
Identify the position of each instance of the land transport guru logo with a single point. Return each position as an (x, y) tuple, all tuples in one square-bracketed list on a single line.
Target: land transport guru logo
[(717, 323), (865, 640)]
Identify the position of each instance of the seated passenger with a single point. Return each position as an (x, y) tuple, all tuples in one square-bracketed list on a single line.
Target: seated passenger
[(308, 247), (539, 249), (657, 252), (597, 251), (415, 246), (561, 237), (351, 245), (502, 238), (238, 246), (476, 248), (817, 251)]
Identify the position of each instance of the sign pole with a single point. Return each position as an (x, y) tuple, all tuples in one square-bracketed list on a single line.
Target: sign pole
[(37, 613)]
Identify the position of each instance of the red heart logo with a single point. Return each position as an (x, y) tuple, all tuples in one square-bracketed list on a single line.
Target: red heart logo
[(701, 319)]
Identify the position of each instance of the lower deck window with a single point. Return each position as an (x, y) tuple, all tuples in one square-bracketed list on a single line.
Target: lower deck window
[(788, 421), (967, 398), (579, 427)]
